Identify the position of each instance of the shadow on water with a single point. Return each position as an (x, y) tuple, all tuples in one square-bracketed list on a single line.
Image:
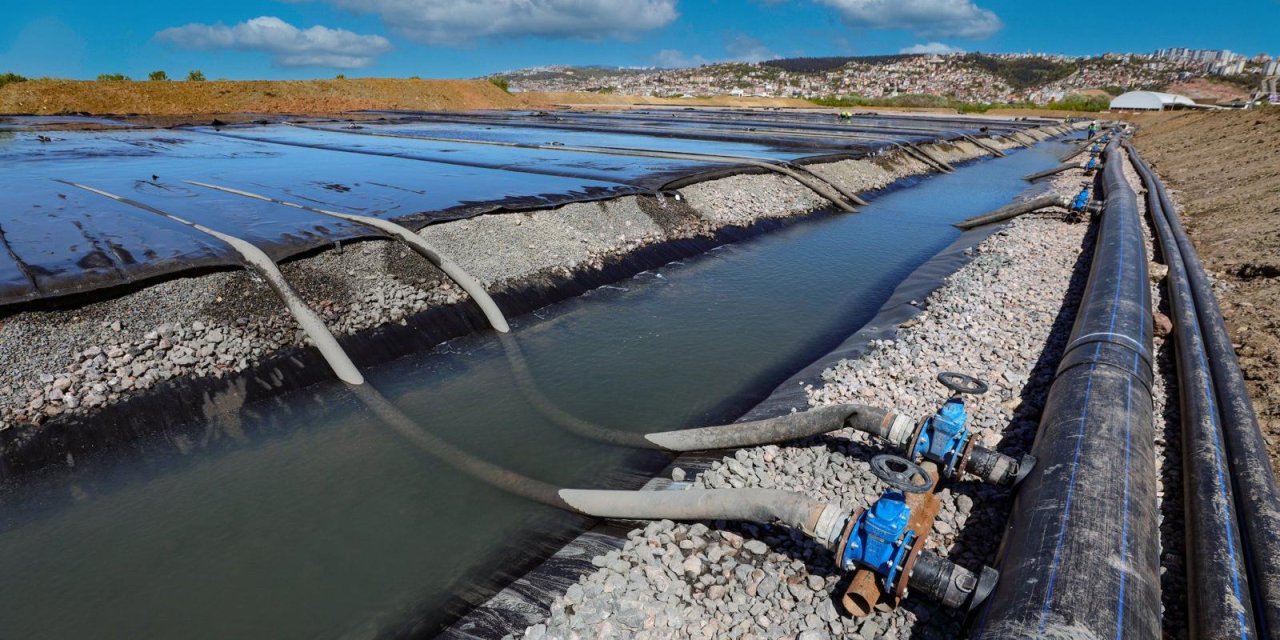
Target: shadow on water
[(303, 516)]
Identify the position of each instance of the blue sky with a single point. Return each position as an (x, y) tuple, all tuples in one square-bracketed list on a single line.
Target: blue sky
[(465, 38)]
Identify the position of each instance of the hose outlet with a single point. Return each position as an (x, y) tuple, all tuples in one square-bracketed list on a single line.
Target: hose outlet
[(993, 467), (944, 437), (949, 583)]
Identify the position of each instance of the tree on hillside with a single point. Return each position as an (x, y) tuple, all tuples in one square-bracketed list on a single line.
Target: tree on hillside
[(10, 78), (158, 76), (112, 77), (195, 76)]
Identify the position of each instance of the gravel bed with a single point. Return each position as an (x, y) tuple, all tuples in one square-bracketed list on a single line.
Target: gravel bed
[(1003, 317), (73, 361)]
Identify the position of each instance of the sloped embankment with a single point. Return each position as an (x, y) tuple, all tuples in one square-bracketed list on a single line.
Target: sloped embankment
[(50, 97), (1222, 171)]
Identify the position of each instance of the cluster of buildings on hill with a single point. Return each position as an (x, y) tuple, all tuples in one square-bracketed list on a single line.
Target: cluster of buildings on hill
[(953, 76), (1219, 62)]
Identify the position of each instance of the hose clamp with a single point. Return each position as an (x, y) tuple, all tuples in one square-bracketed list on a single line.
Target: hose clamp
[(901, 429), (827, 529)]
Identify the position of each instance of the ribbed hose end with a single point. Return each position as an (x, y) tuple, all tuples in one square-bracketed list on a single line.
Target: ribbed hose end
[(951, 584), (997, 468), (828, 525)]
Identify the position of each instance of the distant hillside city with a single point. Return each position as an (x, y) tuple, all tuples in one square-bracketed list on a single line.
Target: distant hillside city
[(964, 77)]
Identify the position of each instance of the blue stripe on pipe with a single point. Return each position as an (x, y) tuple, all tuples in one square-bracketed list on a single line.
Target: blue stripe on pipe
[(1222, 492), (1075, 461)]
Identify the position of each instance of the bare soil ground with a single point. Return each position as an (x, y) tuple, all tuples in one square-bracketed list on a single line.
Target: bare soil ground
[(53, 97), (1224, 169), (1207, 91)]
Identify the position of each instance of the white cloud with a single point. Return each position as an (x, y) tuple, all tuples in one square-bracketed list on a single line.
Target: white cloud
[(676, 59), (290, 46), (926, 18), (455, 22), (744, 48), (932, 47)]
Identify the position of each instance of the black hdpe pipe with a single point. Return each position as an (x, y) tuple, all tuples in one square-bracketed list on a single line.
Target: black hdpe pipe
[(1235, 565), (1080, 556)]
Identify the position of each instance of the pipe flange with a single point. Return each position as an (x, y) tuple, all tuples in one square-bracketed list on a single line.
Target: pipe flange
[(915, 438), (844, 536), (904, 576), (964, 458)]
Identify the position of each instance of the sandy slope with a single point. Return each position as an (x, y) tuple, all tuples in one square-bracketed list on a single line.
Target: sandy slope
[(255, 96)]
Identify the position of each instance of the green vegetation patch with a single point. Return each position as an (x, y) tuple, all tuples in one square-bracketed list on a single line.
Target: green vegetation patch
[(10, 78), (501, 83), (1022, 73)]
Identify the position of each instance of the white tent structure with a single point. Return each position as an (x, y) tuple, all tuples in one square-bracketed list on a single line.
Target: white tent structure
[(1151, 101)]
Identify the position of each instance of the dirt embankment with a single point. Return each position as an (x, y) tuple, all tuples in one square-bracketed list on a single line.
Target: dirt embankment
[(1223, 169), (51, 97), (1207, 91)]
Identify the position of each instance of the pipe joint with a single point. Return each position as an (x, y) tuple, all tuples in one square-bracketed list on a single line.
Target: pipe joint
[(993, 467), (949, 583)]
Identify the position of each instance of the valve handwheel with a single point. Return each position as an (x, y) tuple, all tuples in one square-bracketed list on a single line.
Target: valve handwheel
[(901, 474), (962, 383)]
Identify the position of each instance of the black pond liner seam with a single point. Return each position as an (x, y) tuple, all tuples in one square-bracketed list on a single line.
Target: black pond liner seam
[(813, 183), (223, 132), (784, 136)]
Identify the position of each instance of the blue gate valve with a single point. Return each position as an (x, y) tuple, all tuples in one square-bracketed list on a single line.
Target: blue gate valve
[(1081, 201), (943, 436), (880, 538), (945, 439), (1092, 164)]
